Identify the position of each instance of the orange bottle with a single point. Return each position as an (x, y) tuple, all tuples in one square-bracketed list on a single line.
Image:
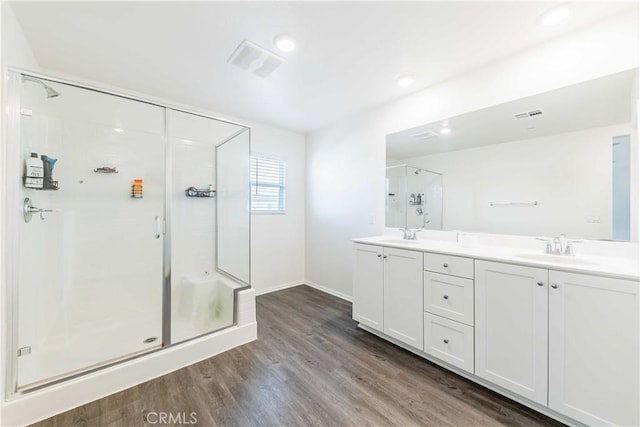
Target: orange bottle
[(137, 188)]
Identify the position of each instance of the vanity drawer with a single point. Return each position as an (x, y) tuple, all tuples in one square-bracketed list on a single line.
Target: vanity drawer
[(449, 264), (449, 296), (449, 341)]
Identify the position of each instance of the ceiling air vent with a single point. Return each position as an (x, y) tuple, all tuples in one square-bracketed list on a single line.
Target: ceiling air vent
[(427, 134), (528, 114), (255, 59)]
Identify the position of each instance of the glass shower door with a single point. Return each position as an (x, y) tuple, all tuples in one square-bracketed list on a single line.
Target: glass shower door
[(202, 299), (90, 265)]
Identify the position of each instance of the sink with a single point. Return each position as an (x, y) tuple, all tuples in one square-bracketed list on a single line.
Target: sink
[(399, 241), (559, 259)]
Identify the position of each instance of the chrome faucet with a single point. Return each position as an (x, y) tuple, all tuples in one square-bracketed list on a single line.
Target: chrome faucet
[(559, 245), (409, 234)]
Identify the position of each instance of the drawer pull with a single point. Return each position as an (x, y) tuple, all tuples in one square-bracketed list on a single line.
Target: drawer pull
[(540, 283), (445, 296), (446, 341), (445, 265)]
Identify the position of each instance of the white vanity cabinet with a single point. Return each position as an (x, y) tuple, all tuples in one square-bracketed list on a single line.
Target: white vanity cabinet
[(403, 296), (593, 348), (368, 285), (387, 292), (564, 343), (579, 334), (511, 309), (448, 306)]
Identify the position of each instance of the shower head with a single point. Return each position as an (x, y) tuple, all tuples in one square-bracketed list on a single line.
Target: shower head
[(51, 92)]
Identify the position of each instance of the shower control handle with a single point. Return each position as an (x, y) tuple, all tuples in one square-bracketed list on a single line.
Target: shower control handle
[(28, 210)]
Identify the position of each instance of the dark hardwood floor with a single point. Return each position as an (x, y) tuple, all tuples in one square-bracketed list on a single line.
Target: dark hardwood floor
[(311, 366)]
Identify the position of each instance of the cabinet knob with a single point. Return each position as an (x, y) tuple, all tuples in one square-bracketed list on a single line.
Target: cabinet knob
[(445, 296), (446, 341), (379, 255), (540, 283), (384, 256), (554, 285), (445, 265)]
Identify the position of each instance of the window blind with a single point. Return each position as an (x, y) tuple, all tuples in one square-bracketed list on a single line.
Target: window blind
[(268, 177)]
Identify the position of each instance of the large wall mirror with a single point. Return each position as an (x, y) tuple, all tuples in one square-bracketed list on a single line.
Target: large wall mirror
[(560, 162)]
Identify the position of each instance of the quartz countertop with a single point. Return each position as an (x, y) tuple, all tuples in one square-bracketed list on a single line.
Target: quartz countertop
[(621, 268)]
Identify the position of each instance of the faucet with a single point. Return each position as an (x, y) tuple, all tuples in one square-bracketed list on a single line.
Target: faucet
[(559, 245), (409, 234)]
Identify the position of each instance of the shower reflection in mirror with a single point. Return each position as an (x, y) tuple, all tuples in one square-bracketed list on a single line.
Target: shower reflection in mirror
[(413, 198)]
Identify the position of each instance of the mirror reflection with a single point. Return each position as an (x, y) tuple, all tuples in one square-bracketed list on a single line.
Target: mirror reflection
[(414, 198), (560, 162)]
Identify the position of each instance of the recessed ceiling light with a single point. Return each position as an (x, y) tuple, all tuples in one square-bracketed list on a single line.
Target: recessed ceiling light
[(404, 81), (118, 130), (554, 16), (284, 43), (445, 131)]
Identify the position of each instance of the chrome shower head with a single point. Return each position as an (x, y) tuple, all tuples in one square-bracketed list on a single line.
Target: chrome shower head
[(51, 92)]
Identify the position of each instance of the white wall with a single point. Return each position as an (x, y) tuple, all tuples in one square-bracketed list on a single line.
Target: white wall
[(15, 48), (345, 162), (277, 241), (568, 174)]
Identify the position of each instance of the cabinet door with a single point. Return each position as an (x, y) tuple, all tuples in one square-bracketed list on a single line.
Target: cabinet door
[(511, 306), (403, 311), (367, 285), (593, 348)]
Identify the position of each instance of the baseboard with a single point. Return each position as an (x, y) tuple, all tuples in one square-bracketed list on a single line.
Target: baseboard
[(328, 290), (278, 287), (304, 282)]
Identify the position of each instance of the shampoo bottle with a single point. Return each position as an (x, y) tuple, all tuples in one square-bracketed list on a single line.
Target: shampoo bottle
[(34, 172)]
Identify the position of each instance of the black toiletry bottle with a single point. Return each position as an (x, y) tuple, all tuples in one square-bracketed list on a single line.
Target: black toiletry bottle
[(47, 172)]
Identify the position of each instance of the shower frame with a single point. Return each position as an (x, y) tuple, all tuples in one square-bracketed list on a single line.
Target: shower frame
[(10, 152)]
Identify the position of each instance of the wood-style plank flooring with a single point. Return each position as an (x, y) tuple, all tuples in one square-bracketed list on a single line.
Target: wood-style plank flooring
[(311, 366)]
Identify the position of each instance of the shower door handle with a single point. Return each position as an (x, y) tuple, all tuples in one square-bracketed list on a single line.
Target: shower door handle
[(157, 227)]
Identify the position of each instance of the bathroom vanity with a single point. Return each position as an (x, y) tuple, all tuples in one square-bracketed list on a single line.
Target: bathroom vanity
[(559, 334)]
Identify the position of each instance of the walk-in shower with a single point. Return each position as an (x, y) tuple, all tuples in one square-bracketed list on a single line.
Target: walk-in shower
[(413, 198), (138, 233)]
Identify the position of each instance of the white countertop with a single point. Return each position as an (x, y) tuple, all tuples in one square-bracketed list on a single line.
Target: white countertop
[(622, 268)]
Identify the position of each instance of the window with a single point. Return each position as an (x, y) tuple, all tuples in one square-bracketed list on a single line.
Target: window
[(268, 195)]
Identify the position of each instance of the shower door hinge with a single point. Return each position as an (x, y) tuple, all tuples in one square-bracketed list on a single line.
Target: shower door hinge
[(26, 112), (23, 351)]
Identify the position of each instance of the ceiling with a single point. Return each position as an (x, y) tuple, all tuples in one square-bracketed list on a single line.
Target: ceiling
[(600, 102), (348, 55)]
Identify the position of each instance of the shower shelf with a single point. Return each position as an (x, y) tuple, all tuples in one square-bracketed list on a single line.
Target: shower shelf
[(195, 192), (106, 169)]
